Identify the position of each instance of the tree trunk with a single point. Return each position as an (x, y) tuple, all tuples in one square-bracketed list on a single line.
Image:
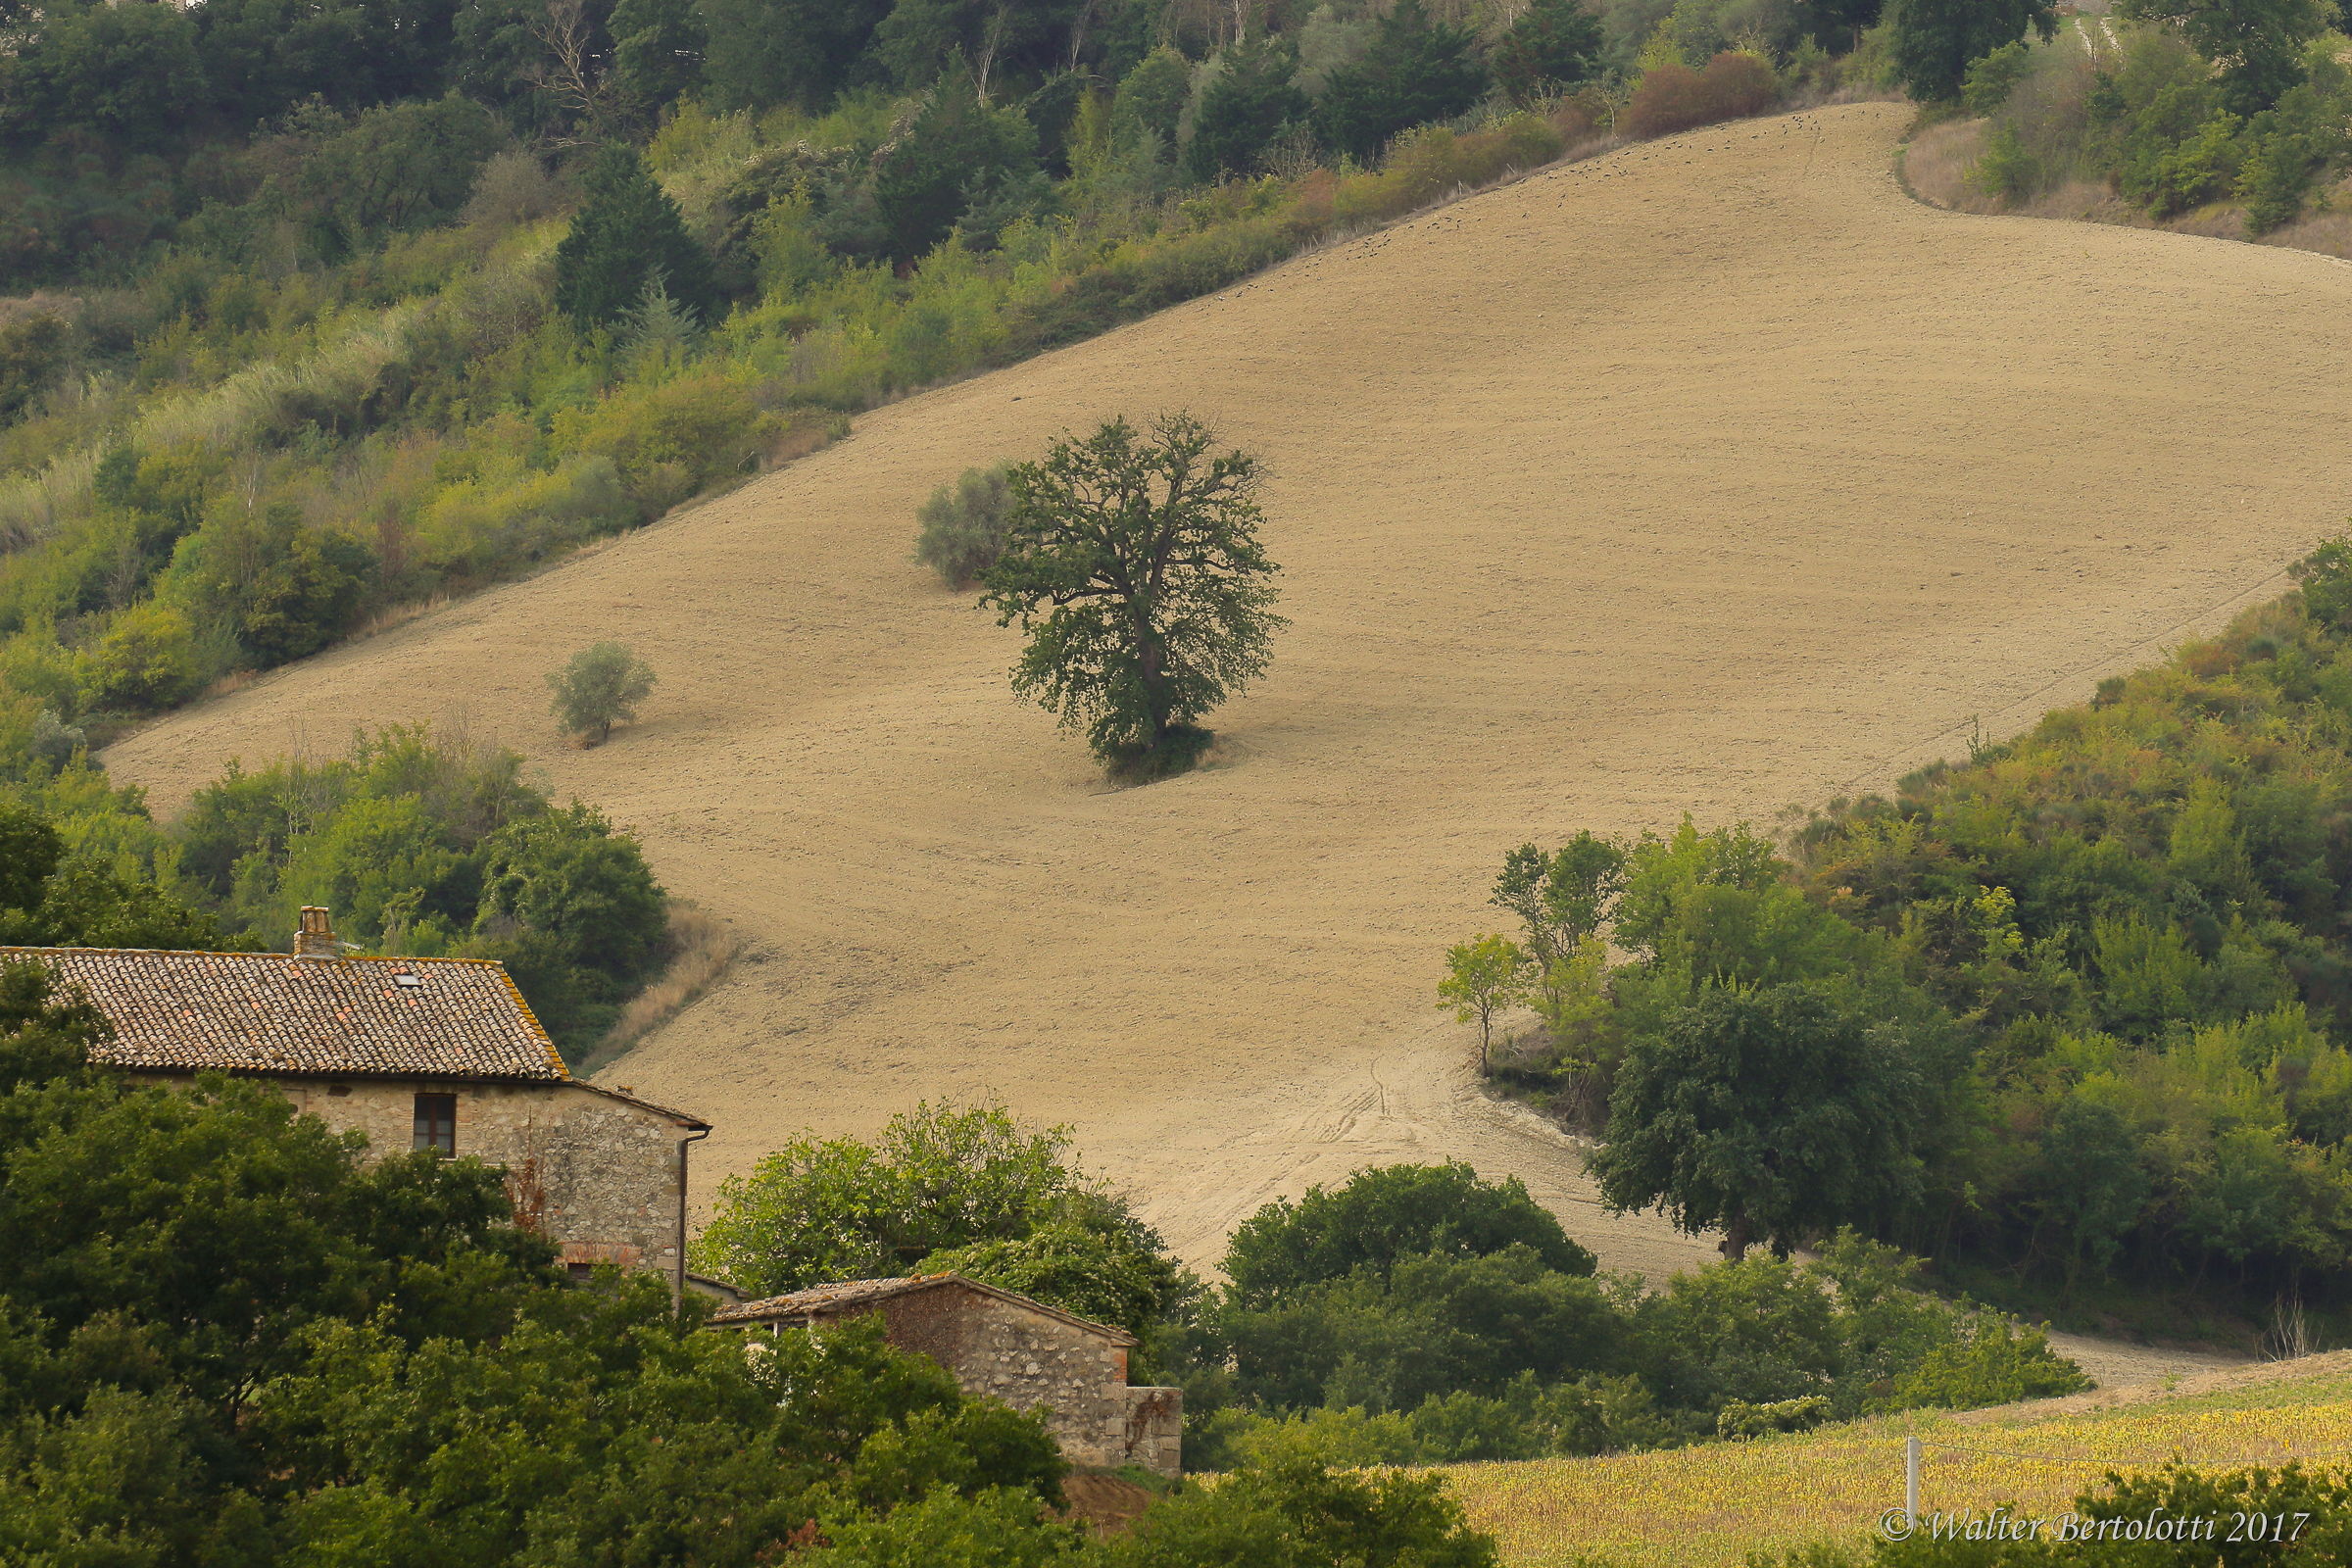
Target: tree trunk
[(1736, 1241)]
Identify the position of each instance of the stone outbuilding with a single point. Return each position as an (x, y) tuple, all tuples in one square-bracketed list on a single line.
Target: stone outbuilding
[(1024, 1352), (417, 1053)]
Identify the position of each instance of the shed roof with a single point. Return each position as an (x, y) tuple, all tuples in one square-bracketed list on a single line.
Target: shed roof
[(320, 1017), (844, 1296)]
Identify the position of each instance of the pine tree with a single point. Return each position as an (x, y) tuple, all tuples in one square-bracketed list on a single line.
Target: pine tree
[(628, 235), (1416, 72), (1552, 46), (1242, 110)]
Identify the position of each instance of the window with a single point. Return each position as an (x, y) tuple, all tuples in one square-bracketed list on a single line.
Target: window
[(437, 1123)]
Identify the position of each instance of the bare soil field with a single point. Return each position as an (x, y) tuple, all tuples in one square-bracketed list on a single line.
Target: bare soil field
[(1714, 473)]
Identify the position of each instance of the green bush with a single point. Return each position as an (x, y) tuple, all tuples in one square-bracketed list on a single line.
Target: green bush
[(1993, 76), (147, 660), (599, 687), (2006, 170), (962, 527)]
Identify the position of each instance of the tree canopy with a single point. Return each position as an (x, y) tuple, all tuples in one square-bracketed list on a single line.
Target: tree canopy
[(1133, 565), (1776, 1113), (1933, 42)]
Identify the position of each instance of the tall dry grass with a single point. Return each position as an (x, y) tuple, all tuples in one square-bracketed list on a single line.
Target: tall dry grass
[(702, 948)]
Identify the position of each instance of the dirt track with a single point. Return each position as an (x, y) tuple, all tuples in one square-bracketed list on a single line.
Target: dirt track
[(1713, 474)]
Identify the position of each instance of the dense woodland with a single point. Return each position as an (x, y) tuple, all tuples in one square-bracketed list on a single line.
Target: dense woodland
[(2069, 1017)]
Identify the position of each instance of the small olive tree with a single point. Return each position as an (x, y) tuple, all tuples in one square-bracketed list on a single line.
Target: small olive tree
[(1131, 560), (599, 688), (963, 526)]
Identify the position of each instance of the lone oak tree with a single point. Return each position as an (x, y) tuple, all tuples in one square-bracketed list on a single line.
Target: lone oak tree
[(1133, 564)]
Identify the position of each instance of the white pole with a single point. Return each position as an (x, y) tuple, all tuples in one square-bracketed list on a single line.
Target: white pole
[(1911, 1482)]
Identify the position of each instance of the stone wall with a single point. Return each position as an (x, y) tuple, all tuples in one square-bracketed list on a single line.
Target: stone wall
[(598, 1176), (1032, 1359)]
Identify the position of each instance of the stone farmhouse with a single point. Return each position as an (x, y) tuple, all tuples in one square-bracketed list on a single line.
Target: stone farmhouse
[(1008, 1346), (418, 1053)]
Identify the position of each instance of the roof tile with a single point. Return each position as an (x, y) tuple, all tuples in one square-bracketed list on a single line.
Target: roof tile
[(272, 1012)]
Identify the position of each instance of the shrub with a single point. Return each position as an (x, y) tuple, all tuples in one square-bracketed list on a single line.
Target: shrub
[(32, 356), (2006, 170), (478, 527), (963, 525), (599, 687), (147, 660), (1674, 97), (1992, 79), (668, 439)]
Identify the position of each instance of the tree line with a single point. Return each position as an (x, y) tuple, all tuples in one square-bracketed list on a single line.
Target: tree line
[(2069, 1017), (418, 844), (1414, 1314)]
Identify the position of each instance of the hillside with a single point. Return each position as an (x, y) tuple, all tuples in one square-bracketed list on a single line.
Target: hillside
[(1717, 1502), (1714, 473)]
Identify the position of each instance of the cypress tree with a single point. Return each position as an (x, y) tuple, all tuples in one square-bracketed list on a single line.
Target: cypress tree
[(627, 235)]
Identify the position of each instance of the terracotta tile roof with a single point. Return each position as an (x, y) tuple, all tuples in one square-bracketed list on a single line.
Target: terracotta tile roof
[(272, 1012), (844, 1296)]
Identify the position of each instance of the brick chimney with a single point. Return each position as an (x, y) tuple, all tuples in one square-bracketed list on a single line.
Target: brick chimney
[(315, 938)]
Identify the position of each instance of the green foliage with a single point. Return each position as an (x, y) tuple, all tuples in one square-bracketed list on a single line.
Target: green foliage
[(1248, 102), (1300, 1515), (1416, 71), (54, 897), (1384, 1215), (32, 356), (1774, 1113), (1151, 96), (2006, 170), (131, 74), (657, 51), (565, 874), (1417, 1315), (1563, 898), (2258, 45), (940, 1183), (599, 687), (1134, 568), (628, 235), (1993, 76), (963, 526), (955, 147), (1484, 976), (1935, 41), (1552, 46), (399, 168), (281, 589), (436, 847)]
